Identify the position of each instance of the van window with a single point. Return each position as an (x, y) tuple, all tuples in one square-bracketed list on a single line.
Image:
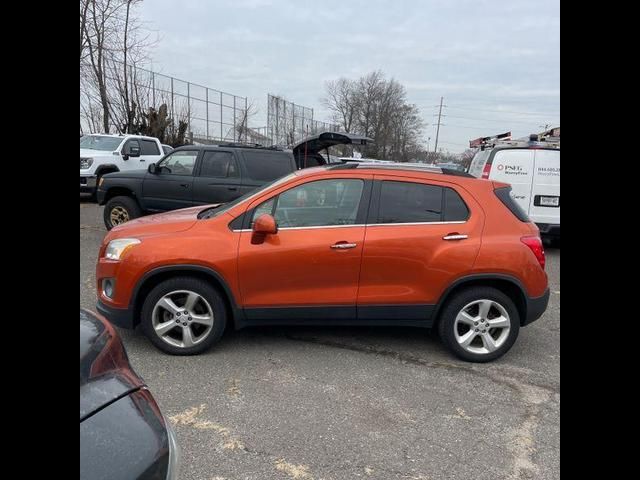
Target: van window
[(267, 166), (477, 164)]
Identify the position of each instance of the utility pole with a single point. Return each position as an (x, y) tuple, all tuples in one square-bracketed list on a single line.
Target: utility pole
[(435, 148)]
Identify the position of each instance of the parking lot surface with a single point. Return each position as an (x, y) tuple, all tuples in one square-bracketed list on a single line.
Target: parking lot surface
[(347, 403)]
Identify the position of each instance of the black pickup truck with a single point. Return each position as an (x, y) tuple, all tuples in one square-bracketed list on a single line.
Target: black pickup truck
[(207, 174)]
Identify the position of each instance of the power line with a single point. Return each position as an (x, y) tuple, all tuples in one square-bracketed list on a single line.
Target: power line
[(538, 114), (528, 122), (435, 149)]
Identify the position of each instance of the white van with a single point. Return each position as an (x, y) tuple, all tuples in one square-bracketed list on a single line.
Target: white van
[(534, 175)]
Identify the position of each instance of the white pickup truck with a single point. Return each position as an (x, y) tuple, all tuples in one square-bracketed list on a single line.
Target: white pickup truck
[(100, 154)]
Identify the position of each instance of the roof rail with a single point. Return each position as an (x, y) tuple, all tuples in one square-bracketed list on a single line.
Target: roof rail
[(415, 167), (243, 145)]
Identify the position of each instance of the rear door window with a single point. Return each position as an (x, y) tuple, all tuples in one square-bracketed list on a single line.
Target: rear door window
[(219, 165), (405, 202), (455, 210), (409, 202), (265, 166), (149, 147)]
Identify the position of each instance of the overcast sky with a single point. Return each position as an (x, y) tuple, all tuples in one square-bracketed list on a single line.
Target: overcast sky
[(496, 63)]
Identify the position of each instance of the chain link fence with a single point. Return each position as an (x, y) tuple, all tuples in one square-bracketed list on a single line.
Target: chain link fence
[(288, 123), (210, 114)]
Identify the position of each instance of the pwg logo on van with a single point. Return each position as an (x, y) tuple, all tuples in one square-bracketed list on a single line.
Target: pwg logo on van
[(511, 169)]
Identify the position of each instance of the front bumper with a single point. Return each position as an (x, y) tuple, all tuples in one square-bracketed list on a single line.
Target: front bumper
[(88, 183), (121, 317), (536, 306)]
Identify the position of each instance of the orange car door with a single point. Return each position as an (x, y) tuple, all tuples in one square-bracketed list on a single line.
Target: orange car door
[(310, 267), (410, 253)]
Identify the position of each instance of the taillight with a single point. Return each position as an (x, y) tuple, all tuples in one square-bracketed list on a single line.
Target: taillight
[(535, 244), (486, 170)]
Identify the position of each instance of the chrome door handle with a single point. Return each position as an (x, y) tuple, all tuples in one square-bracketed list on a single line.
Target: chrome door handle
[(343, 246), (454, 236)]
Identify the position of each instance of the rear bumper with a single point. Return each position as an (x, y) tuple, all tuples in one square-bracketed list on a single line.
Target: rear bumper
[(550, 229), (536, 306), (121, 317)]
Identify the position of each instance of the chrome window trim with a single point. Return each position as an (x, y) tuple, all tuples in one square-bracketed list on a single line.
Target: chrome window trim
[(315, 227)]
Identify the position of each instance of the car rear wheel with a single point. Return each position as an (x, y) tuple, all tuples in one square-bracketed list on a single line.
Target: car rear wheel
[(120, 210), (479, 324), (184, 316)]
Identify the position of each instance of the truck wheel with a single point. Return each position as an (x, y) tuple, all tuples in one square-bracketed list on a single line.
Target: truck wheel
[(119, 210)]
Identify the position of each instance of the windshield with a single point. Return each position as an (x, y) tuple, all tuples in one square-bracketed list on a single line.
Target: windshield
[(215, 211), (98, 142)]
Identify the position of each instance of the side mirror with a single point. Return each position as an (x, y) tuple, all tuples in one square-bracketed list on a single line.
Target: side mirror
[(152, 168), (264, 225)]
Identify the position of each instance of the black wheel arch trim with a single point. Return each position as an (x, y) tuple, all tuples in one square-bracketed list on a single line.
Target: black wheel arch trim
[(110, 167), (237, 313), (529, 315)]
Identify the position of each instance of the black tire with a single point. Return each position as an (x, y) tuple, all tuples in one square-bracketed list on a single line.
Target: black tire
[(192, 284), (453, 307), (129, 204)]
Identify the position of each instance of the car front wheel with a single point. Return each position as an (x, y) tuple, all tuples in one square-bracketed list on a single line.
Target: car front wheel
[(184, 316), (479, 324)]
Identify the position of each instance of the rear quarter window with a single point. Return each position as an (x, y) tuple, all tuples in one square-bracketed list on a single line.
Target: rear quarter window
[(265, 166)]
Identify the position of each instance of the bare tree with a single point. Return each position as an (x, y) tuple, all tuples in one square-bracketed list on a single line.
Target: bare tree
[(242, 122), (99, 35), (112, 40), (377, 108), (84, 7), (342, 101)]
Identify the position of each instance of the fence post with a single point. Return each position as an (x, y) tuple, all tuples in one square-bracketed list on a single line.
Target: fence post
[(246, 120), (293, 119), (206, 93), (153, 88), (189, 110), (172, 115), (277, 102), (221, 137), (234, 118)]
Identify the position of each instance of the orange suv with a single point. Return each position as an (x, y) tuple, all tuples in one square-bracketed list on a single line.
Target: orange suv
[(347, 244)]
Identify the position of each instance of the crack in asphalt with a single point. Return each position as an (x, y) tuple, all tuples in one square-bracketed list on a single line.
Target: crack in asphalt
[(504, 380)]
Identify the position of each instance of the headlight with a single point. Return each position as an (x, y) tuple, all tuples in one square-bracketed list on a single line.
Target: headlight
[(85, 163), (116, 248)]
